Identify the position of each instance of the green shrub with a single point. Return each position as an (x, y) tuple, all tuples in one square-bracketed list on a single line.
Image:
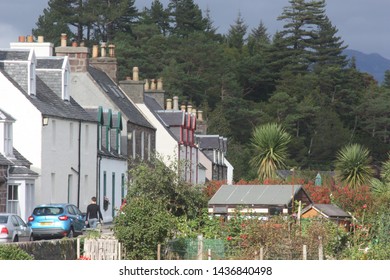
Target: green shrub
[(12, 252)]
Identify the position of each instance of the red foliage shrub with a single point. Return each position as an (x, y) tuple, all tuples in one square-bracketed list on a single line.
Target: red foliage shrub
[(318, 194)]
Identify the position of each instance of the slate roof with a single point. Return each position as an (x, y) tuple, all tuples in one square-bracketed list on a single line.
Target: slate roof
[(254, 194), (18, 166), (50, 63), (5, 116), (49, 104), (118, 97), (329, 210), (17, 55), (4, 160), (154, 107)]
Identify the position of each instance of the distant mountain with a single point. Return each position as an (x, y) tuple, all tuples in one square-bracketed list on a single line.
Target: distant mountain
[(374, 64)]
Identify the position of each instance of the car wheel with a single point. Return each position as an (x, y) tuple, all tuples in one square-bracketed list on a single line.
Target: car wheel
[(32, 238), (16, 239), (71, 233)]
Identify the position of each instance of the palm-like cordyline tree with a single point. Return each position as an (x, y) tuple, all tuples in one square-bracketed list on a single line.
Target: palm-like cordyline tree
[(269, 143), (353, 166), (382, 186)]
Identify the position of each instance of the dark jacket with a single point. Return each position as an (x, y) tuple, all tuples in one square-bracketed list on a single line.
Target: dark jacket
[(93, 212)]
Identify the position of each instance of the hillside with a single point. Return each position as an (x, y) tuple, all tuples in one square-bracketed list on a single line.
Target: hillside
[(374, 63)]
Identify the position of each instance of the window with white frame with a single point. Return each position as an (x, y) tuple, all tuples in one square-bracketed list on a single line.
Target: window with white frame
[(13, 198), (8, 146)]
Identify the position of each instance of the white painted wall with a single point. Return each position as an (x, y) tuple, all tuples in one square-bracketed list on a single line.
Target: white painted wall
[(89, 95), (110, 166), (206, 163), (230, 170), (50, 149), (166, 145), (60, 162)]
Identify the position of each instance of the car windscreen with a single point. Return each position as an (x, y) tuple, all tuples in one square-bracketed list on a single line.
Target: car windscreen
[(3, 219), (48, 210)]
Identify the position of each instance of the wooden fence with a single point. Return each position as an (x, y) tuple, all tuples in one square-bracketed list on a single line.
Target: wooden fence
[(100, 249)]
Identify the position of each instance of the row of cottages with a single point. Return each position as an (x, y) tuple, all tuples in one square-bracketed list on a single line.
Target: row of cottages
[(51, 130), (85, 128), (179, 131)]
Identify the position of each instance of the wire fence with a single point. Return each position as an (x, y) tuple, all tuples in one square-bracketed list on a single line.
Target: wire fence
[(216, 249)]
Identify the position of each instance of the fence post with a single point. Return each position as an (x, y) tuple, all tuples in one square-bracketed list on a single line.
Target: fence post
[(320, 249), (200, 247), (209, 254), (261, 253), (304, 252), (158, 251), (78, 248)]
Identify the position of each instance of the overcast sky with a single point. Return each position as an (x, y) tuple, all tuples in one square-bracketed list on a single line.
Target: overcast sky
[(363, 24)]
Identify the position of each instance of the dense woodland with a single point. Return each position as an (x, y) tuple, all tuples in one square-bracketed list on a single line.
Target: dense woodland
[(297, 78)]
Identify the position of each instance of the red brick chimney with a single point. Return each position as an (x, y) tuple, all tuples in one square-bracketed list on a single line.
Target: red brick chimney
[(78, 56)]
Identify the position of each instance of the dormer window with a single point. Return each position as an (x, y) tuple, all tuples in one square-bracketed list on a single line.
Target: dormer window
[(31, 74), (65, 79), (8, 145)]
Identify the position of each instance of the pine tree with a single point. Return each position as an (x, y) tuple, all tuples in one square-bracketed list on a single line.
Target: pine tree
[(236, 34), (186, 17)]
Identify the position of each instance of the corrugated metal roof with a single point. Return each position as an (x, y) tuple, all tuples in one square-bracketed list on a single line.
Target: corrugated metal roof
[(255, 194)]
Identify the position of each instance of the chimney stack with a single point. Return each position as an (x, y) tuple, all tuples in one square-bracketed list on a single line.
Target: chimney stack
[(41, 48), (133, 88), (78, 56), (107, 64)]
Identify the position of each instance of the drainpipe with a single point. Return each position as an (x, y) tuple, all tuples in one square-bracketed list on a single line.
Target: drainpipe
[(79, 167), (98, 178)]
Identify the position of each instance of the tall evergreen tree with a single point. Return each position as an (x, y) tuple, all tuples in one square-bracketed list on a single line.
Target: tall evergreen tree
[(186, 17), (236, 34), (157, 15)]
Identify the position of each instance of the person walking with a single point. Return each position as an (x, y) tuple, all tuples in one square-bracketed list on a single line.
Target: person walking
[(94, 215)]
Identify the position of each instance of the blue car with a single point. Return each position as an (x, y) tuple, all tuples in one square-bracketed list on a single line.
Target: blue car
[(56, 221)]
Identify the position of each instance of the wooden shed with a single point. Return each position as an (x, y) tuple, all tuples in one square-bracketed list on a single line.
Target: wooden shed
[(328, 211), (260, 200)]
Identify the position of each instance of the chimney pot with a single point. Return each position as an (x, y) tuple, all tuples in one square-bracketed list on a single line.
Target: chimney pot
[(22, 39), (135, 74), (176, 103), (169, 104), (63, 39), (103, 49), (95, 51), (159, 84), (111, 50), (30, 39), (189, 108), (200, 116), (183, 107), (146, 87), (41, 39), (128, 78), (153, 84)]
